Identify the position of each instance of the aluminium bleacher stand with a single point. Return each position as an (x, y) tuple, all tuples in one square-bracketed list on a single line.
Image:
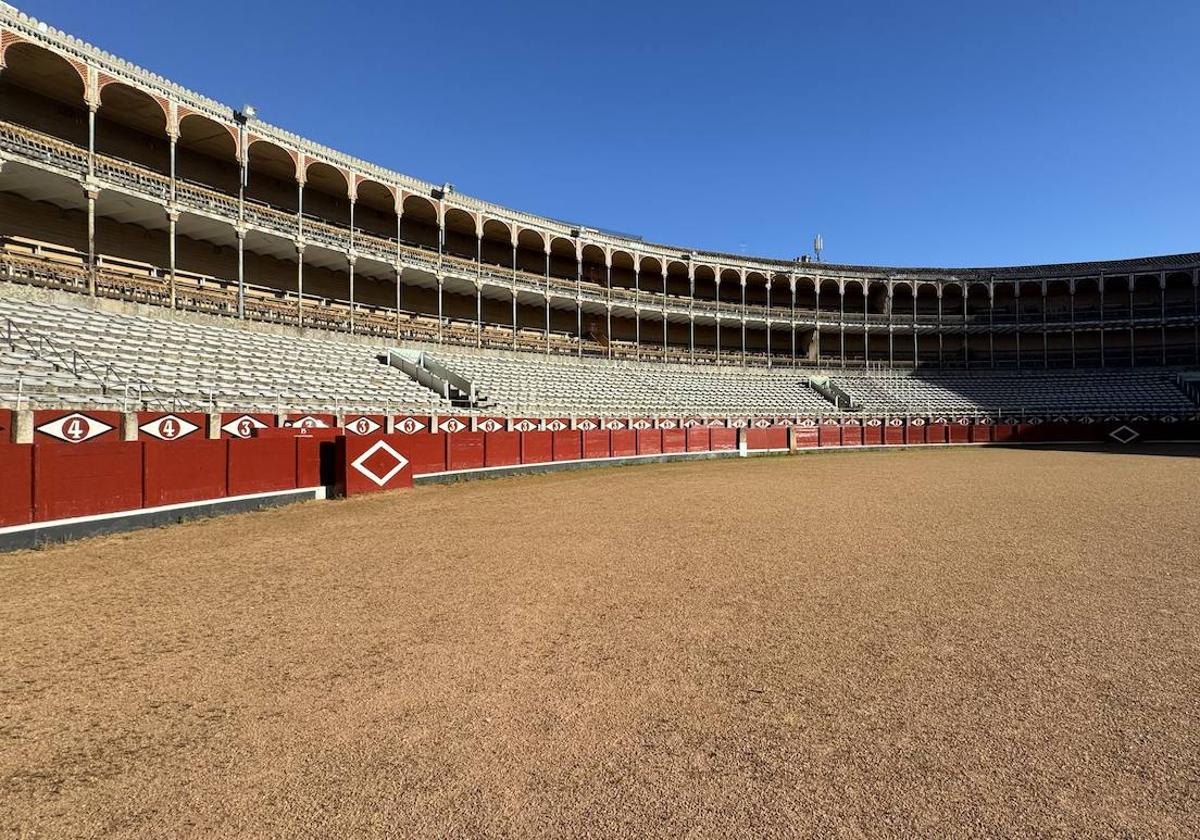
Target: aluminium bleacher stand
[(192, 365)]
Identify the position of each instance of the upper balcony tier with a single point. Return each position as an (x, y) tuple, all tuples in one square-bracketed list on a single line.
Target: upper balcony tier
[(72, 74)]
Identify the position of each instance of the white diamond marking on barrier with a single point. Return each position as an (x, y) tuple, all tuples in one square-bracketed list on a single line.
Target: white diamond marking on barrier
[(360, 463), (452, 425), (362, 426), (307, 422), (169, 427), (488, 425), (75, 428), (586, 425), (1124, 434), (555, 426), (409, 426), (243, 426)]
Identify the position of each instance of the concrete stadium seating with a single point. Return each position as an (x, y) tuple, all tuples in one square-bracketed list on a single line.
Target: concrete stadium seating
[(515, 383), (992, 392), (72, 354), (65, 354)]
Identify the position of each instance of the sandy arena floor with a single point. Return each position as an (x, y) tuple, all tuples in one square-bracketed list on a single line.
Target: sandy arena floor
[(934, 643)]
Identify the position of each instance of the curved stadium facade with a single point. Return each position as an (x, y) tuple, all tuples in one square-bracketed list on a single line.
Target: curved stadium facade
[(118, 183)]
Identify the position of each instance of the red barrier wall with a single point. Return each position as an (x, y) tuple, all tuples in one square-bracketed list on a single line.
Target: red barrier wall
[(596, 444), (85, 480), (959, 433), (697, 439), (568, 445), (624, 442), (914, 433), (368, 464), (537, 447), (6, 421), (501, 449), (935, 433), (829, 434), (852, 434), (872, 435), (1003, 433), (722, 439), (464, 451), (427, 452), (775, 437), (649, 441), (981, 433), (261, 465), (308, 458), (89, 427), (892, 434), (806, 437), (674, 440), (16, 499), (183, 471)]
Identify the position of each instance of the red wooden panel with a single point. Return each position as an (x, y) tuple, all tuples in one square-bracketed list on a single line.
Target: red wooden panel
[(893, 433), (373, 463), (981, 433), (464, 451), (773, 438), (806, 437), (86, 480), (872, 434), (187, 471), (674, 440), (6, 424), (537, 447), (56, 426), (568, 445), (261, 465), (309, 449), (959, 433), (596, 444), (649, 441), (721, 439), (914, 433), (829, 434), (16, 499), (852, 434), (427, 452), (624, 442), (936, 433), (697, 439), (501, 449), (1004, 432)]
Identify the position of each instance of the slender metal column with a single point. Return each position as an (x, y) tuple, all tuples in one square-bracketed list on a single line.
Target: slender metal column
[(351, 260)]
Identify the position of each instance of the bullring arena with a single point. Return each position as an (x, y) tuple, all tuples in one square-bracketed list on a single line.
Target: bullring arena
[(334, 502), (619, 652)]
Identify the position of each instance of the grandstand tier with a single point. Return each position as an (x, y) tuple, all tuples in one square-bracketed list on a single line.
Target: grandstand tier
[(71, 353), (115, 182)]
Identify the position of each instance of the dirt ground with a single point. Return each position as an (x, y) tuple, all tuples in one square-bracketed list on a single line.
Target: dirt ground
[(923, 643)]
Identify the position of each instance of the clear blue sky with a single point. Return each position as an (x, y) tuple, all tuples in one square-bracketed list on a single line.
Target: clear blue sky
[(925, 133)]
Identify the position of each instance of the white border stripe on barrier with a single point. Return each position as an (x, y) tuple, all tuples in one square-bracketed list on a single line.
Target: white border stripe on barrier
[(317, 492)]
